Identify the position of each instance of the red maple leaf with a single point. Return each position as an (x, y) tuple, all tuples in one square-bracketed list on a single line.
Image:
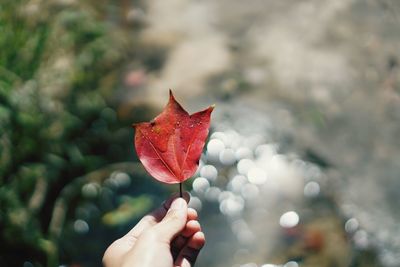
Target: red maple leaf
[(170, 146)]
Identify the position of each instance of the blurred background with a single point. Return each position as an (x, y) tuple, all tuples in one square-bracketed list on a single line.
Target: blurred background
[(302, 164)]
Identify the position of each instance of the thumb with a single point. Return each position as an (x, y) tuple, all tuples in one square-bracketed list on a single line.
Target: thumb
[(174, 221)]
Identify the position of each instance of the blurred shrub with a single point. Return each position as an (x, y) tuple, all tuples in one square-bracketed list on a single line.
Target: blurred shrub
[(58, 122)]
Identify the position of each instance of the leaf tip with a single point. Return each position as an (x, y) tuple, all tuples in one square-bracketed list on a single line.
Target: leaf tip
[(171, 97), (211, 108)]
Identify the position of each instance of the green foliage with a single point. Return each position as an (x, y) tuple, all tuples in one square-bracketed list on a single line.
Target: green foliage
[(58, 124), (128, 209)]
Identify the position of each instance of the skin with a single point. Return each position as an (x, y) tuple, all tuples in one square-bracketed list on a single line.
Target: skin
[(170, 236)]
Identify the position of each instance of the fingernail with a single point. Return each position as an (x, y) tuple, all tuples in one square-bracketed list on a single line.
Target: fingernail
[(178, 204), (186, 196)]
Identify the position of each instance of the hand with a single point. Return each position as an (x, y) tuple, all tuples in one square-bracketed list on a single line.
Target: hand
[(170, 236)]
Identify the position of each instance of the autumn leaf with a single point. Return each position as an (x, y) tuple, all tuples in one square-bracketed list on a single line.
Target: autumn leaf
[(170, 146)]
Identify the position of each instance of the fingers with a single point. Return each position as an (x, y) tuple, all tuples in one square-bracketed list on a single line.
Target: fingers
[(156, 216), (173, 222), (192, 214), (191, 228), (188, 255), (146, 222), (120, 247), (173, 215), (180, 241), (168, 202)]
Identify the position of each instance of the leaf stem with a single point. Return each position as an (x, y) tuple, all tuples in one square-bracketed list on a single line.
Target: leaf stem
[(180, 190)]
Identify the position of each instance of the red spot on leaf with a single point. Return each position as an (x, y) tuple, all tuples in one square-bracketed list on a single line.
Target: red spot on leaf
[(170, 146)]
